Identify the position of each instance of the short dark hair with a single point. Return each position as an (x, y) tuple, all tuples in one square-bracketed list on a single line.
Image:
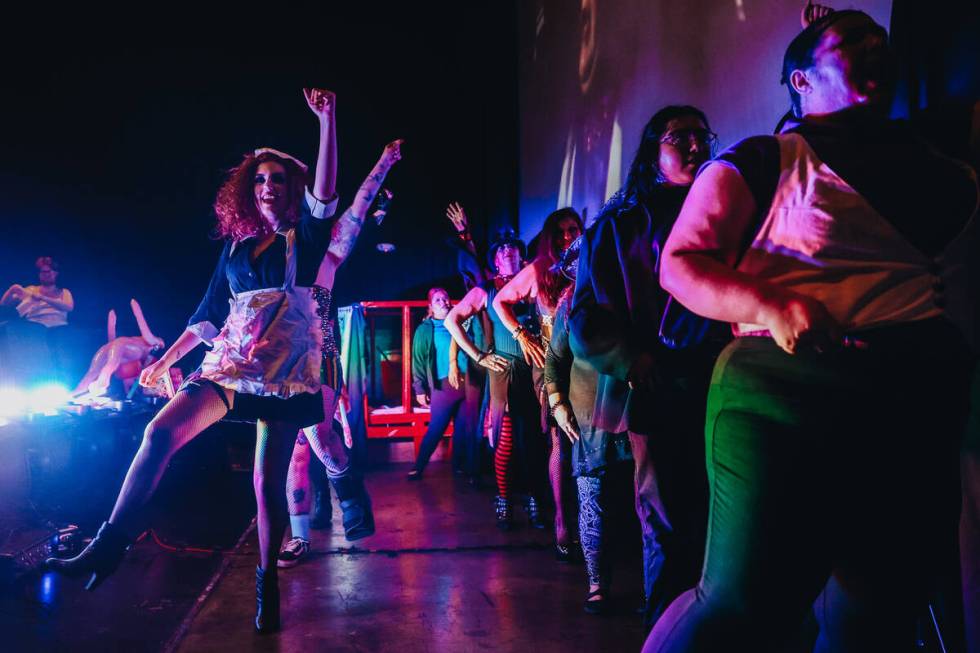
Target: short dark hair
[(799, 54)]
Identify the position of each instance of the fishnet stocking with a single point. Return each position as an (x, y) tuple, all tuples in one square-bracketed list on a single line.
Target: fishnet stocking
[(190, 412)]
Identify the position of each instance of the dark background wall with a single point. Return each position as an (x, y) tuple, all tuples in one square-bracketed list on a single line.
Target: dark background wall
[(115, 136), (115, 140)]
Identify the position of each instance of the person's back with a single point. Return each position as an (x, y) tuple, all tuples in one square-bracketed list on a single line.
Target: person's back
[(837, 411)]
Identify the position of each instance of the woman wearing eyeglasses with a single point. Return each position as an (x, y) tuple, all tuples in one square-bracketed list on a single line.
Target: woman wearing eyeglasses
[(653, 357)]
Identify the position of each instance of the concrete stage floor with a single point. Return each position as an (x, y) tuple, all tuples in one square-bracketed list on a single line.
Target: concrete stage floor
[(437, 576)]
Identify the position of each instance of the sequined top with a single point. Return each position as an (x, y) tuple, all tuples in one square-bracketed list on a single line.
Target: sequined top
[(324, 298)]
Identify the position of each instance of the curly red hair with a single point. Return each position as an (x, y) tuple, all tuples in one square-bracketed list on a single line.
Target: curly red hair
[(238, 217)]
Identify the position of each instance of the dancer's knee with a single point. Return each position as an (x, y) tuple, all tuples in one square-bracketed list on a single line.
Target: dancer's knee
[(159, 440), (299, 461)]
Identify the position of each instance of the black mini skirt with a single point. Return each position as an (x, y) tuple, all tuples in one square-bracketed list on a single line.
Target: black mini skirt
[(304, 409)]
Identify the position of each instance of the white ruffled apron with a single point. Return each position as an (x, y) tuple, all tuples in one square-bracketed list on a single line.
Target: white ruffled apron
[(271, 342)]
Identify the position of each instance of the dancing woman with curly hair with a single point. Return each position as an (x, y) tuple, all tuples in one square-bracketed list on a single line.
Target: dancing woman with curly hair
[(260, 314)]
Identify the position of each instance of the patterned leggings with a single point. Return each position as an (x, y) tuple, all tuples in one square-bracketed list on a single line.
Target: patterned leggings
[(591, 514), (502, 457)]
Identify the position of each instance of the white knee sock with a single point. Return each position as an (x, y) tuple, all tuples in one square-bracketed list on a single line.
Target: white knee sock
[(300, 526)]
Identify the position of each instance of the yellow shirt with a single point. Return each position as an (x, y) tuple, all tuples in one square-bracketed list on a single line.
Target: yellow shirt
[(39, 311)]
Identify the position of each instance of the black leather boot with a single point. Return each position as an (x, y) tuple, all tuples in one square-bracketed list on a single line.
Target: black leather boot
[(98, 560), (534, 518), (356, 506), (266, 601), (322, 507), (505, 517)]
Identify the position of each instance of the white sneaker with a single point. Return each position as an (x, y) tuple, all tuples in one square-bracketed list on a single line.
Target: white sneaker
[(293, 552)]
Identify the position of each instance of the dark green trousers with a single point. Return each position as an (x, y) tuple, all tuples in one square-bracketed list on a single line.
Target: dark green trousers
[(831, 474)]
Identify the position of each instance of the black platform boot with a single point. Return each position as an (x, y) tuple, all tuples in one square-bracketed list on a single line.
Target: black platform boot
[(98, 560), (534, 518), (266, 601), (356, 506), (505, 518)]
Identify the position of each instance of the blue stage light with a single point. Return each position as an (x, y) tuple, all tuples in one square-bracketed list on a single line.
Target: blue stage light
[(48, 398), (48, 589), (45, 399)]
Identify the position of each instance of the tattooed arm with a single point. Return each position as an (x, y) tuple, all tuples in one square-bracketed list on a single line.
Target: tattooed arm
[(348, 226), (184, 344)]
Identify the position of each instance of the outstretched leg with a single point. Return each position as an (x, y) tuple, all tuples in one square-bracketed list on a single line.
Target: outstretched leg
[(191, 411)]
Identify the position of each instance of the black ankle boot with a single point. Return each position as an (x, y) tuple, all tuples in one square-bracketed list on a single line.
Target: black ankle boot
[(356, 506), (322, 508), (266, 601), (534, 518), (505, 518), (97, 560)]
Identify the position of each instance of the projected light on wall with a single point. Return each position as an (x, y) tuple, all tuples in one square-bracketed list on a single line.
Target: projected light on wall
[(592, 72)]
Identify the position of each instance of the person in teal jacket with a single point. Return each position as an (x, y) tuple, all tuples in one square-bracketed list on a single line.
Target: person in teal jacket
[(448, 388)]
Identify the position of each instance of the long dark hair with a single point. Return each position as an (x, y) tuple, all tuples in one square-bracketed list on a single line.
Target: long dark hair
[(550, 284), (644, 176)]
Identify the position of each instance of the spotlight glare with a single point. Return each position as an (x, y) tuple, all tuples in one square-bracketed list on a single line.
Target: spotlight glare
[(13, 402), (48, 398)]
